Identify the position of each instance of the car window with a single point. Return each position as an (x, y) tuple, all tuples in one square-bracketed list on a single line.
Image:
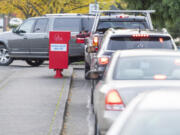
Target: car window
[(67, 24), (87, 24), (153, 123), (147, 68), (105, 25), (124, 43), (41, 25), (26, 27)]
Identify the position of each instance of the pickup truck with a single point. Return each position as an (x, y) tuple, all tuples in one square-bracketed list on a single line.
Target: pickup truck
[(117, 19), (30, 41)]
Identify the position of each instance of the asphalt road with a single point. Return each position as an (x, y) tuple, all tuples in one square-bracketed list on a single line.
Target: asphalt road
[(32, 102), (79, 119)]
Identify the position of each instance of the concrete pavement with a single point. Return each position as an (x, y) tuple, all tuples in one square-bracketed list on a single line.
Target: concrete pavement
[(79, 119), (32, 102)]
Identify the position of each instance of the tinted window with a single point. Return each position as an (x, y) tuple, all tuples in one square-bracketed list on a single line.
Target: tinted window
[(41, 26), (27, 26), (87, 24), (123, 43), (153, 123), (105, 25), (67, 24), (147, 68)]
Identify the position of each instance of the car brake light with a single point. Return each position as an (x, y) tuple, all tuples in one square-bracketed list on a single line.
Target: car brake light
[(161, 40), (103, 60), (160, 77), (140, 36), (80, 40), (95, 41), (113, 101), (122, 16)]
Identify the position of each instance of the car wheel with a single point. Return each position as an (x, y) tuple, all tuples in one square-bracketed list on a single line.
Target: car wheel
[(97, 131), (5, 60), (35, 63), (87, 68)]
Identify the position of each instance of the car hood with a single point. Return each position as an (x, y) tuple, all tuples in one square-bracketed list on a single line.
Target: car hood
[(6, 35), (130, 89)]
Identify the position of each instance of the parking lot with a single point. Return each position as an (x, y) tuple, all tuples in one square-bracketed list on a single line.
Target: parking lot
[(32, 102), (120, 71)]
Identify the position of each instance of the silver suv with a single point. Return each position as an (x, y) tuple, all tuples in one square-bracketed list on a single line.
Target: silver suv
[(118, 39), (30, 41)]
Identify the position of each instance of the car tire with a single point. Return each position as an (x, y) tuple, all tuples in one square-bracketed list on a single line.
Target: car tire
[(97, 131), (34, 63), (5, 59), (87, 68)]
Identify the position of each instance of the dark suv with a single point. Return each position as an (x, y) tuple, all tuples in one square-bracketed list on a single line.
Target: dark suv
[(30, 41)]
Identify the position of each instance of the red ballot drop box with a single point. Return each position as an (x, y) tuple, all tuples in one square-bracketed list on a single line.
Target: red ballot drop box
[(58, 51)]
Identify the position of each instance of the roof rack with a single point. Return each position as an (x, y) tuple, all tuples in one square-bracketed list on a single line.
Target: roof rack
[(69, 14), (124, 11), (146, 13), (63, 14)]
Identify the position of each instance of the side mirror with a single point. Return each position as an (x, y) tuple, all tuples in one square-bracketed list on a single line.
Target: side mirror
[(14, 30), (93, 75), (91, 49), (21, 31)]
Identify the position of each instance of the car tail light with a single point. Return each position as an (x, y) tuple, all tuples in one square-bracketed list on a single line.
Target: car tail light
[(161, 40), (140, 36), (160, 77), (103, 60), (95, 41), (113, 101), (80, 40), (122, 16)]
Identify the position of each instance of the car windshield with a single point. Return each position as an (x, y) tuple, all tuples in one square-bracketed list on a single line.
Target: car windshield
[(124, 43), (153, 123), (105, 25), (147, 68)]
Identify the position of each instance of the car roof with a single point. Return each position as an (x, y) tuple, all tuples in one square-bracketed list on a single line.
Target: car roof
[(64, 16), (117, 32), (147, 52), (118, 16), (160, 100)]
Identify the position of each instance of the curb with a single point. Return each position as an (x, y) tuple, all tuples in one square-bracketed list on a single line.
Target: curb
[(66, 103), (59, 118)]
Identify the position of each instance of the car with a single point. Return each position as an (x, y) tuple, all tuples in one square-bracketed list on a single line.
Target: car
[(120, 39), (124, 19), (150, 113), (129, 73), (30, 41)]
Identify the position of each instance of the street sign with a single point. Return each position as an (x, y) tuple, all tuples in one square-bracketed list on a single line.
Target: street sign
[(93, 7)]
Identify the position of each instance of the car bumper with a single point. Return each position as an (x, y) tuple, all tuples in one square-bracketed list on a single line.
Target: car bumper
[(107, 120)]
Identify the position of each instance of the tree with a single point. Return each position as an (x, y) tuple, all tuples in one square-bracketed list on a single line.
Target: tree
[(30, 8), (167, 13)]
